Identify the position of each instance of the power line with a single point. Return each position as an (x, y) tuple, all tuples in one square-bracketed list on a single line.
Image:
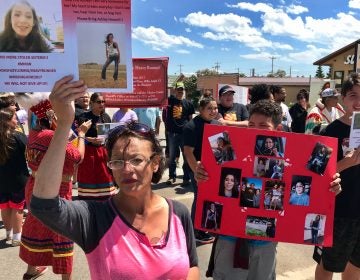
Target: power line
[(217, 66), (180, 65), (272, 63)]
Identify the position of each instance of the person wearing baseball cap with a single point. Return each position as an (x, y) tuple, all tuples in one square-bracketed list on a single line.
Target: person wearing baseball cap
[(179, 113), (326, 110), (231, 113)]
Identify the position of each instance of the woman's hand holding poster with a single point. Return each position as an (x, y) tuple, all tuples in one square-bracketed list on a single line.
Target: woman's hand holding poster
[(267, 185)]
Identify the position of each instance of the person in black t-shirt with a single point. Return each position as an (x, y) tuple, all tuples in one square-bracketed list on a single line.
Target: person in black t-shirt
[(13, 175), (179, 112), (193, 135), (231, 113), (344, 255)]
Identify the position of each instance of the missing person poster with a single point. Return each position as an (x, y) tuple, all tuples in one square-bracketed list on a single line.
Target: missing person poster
[(267, 185), (88, 39), (150, 85)]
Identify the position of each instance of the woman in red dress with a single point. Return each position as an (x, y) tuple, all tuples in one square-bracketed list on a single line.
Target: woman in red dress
[(40, 246)]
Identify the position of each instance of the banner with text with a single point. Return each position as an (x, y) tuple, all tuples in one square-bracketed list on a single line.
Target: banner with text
[(267, 185), (90, 39), (150, 85)]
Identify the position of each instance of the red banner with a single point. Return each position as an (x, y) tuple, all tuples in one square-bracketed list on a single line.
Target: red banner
[(150, 85), (267, 185)]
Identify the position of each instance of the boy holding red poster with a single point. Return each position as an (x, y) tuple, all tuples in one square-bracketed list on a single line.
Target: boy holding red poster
[(344, 255), (261, 254)]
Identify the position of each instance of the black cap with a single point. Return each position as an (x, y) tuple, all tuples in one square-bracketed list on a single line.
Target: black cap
[(226, 89)]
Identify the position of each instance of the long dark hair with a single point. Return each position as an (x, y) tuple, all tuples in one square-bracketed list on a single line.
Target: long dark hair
[(34, 42), (107, 41), (6, 134), (235, 190)]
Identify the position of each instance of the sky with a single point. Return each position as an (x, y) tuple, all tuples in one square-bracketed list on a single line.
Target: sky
[(233, 36)]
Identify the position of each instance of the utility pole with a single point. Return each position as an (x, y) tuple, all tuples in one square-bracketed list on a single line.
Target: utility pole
[(180, 65), (217, 66), (252, 72), (290, 71), (272, 63)]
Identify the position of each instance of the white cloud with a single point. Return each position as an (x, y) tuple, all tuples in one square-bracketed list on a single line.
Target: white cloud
[(182, 51), (296, 9), (224, 49), (228, 27), (308, 56), (232, 27), (355, 4), (188, 30), (157, 10), (258, 7), (257, 56), (175, 18), (159, 40)]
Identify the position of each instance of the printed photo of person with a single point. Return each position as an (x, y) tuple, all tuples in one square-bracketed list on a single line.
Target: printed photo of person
[(274, 195), (260, 226), (300, 190), (319, 158), (314, 229), (211, 216), (250, 193), (260, 166), (104, 64), (221, 147), (31, 27), (276, 168), (230, 182), (270, 146)]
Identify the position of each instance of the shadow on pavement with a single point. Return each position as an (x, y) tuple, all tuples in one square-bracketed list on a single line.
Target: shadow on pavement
[(3, 244)]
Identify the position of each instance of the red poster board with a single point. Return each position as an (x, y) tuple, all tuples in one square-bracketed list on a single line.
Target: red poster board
[(150, 85), (290, 174)]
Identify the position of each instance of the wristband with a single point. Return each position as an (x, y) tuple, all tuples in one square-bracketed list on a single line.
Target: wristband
[(81, 137)]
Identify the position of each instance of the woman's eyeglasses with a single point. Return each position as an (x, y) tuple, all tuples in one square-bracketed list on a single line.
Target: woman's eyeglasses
[(100, 101), (138, 161)]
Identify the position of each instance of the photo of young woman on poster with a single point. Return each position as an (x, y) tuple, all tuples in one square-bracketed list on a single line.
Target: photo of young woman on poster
[(270, 146), (314, 228), (23, 31), (211, 215), (112, 55), (319, 158), (222, 148), (229, 182)]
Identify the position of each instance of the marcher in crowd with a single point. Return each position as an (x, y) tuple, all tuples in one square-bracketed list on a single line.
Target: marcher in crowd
[(94, 179), (13, 175), (344, 255), (265, 115), (150, 117), (193, 134), (231, 113), (136, 224), (179, 113), (40, 246), (298, 111), (326, 110)]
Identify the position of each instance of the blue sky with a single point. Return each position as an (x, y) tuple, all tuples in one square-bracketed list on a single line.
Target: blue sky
[(198, 34)]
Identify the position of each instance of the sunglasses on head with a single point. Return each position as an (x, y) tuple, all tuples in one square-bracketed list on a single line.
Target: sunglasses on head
[(140, 128)]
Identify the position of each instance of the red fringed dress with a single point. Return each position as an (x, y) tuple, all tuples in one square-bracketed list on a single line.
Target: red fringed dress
[(41, 246)]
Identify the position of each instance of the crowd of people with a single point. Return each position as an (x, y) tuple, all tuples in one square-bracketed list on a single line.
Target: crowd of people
[(117, 214)]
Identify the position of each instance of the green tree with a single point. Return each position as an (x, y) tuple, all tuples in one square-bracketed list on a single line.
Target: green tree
[(206, 72), (278, 74), (192, 93), (328, 75), (319, 72)]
